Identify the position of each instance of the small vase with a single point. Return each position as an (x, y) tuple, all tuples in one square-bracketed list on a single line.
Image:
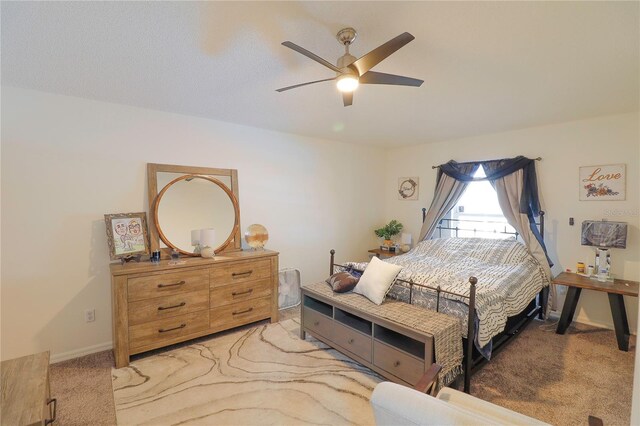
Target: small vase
[(388, 243), (207, 252)]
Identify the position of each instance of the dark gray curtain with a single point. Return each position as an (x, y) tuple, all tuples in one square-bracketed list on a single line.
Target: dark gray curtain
[(448, 192)]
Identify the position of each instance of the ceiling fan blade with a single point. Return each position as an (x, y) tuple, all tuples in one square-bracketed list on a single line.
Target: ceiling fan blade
[(347, 98), (380, 53), (372, 77), (310, 55), (304, 84)]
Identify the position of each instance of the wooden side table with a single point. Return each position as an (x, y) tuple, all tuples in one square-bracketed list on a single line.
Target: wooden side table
[(615, 291), (382, 254), (25, 398)]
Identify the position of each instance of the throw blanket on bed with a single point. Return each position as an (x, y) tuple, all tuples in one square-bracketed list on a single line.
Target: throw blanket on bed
[(508, 276)]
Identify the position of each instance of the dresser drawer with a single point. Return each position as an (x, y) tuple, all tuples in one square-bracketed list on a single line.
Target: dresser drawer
[(318, 323), (352, 340), (151, 286), (157, 333), (167, 306), (398, 363), (239, 313), (238, 272), (223, 295)]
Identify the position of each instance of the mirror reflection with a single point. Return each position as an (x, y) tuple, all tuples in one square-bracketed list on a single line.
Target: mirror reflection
[(193, 204)]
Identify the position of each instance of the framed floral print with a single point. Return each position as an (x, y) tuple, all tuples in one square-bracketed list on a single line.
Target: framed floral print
[(603, 183), (127, 234)]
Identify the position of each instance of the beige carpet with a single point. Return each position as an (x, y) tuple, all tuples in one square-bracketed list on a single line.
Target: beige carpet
[(264, 375), (561, 379), (82, 387)]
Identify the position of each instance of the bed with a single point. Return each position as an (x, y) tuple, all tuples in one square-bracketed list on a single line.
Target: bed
[(511, 287)]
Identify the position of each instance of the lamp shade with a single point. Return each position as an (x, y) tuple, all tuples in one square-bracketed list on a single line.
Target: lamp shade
[(405, 238), (604, 234), (195, 237), (207, 238)]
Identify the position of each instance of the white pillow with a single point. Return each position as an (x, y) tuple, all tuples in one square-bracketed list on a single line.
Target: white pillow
[(376, 280)]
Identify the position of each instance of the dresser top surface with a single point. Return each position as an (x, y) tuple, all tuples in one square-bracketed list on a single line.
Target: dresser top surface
[(189, 262)]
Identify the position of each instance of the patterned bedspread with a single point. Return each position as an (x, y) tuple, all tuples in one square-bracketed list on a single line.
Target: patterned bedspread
[(508, 277)]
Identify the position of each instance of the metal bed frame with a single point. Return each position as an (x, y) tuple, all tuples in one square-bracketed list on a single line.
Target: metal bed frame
[(473, 360)]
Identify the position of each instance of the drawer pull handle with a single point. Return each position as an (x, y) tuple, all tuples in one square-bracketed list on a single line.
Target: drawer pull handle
[(172, 285), (164, 330), (242, 274), (242, 312), (179, 305), (240, 293), (53, 401), (351, 341), (396, 364)]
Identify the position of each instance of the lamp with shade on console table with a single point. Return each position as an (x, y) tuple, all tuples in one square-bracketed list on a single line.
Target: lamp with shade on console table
[(604, 235)]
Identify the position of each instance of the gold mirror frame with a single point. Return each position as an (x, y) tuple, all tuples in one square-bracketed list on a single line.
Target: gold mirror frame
[(233, 243)]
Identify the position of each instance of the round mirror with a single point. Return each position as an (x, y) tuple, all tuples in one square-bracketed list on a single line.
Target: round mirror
[(193, 202)]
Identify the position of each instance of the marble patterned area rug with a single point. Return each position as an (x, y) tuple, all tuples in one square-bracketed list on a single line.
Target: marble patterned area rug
[(261, 375)]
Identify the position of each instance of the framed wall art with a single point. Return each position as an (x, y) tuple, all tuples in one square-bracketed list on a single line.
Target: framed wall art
[(127, 235), (603, 183), (408, 188)]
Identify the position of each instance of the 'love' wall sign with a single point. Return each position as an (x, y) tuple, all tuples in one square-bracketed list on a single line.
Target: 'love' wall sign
[(603, 183)]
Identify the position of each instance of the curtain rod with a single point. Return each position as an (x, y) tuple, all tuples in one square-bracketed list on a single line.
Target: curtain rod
[(470, 162)]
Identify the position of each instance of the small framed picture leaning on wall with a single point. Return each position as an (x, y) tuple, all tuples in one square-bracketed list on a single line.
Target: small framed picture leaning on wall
[(127, 235), (603, 183)]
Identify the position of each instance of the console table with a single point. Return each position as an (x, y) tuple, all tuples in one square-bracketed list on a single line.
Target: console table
[(616, 290)]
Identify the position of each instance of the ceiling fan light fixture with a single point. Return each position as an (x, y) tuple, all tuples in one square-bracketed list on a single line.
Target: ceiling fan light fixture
[(347, 83)]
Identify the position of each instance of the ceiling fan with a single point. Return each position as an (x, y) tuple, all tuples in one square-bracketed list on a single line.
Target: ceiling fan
[(350, 72)]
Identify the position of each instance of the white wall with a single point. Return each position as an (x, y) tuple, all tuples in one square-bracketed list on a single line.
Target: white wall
[(67, 161), (564, 148)]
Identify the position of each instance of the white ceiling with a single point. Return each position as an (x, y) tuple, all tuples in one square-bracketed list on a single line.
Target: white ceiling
[(487, 66)]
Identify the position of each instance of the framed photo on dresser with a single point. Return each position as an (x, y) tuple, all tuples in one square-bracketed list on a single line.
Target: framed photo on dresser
[(127, 234)]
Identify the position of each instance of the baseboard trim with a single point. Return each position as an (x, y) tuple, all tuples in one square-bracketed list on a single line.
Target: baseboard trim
[(87, 350)]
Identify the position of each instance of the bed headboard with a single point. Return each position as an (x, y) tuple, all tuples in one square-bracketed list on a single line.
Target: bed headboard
[(462, 225)]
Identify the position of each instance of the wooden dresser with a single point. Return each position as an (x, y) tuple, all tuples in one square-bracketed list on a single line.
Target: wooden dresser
[(25, 388), (156, 305)]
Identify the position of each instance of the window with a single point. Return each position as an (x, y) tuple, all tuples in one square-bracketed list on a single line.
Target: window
[(478, 213)]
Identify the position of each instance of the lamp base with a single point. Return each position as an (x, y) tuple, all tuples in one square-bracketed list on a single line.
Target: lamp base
[(207, 252)]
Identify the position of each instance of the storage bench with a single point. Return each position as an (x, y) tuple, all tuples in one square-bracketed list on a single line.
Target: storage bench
[(395, 339)]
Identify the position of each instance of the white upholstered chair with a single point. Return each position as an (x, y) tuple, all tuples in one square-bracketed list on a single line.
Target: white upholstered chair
[(397, 405)]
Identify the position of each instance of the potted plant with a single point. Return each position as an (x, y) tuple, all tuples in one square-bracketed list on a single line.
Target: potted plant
[(389, 230)]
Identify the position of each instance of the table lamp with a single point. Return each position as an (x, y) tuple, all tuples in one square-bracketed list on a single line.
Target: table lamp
[(207, 242), (195, 240), (604, 235), (405, 239)]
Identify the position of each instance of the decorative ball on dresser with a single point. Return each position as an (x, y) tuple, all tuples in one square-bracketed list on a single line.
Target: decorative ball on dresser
[(256, 236)]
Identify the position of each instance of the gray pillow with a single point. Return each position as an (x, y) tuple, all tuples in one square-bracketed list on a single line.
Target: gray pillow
[(342, 282)]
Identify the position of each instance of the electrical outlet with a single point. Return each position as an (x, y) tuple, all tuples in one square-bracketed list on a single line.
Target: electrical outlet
[(90, 315)]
